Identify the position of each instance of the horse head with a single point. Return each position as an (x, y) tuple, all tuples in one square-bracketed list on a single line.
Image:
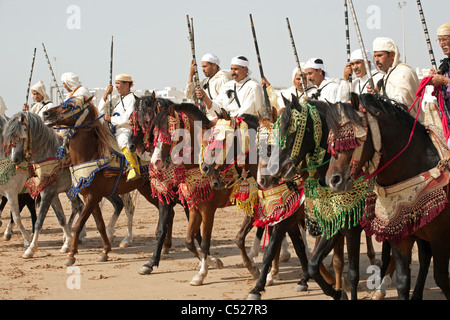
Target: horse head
[(264, 142), (68, 112)]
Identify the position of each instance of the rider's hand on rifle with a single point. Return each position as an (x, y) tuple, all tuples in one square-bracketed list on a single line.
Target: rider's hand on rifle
[(347, 71), (109, 90), (200, 94), (26, 107)]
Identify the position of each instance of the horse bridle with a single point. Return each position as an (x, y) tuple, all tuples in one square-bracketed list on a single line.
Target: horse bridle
[(353, 137)]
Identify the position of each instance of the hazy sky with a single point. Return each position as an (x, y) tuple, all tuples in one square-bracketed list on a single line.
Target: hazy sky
[(151, 37)]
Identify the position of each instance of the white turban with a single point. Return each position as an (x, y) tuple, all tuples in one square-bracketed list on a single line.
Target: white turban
[(387, 44), (444, 30), (72, 80), (211, 58), (40, 87), (241, 62), (357, 55), (312, 64)]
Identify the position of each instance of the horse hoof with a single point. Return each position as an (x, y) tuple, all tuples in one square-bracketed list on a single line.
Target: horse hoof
[(69, 261), (343, 295), (65, 249), (197, 281), (269, 282), (145, 270), (28, 254), (300, 288), (256, 274), (285, 257), (215, 263), (102, 257), (7, 236), (254, 296), (378, 295), (124, 244), (165, 251)]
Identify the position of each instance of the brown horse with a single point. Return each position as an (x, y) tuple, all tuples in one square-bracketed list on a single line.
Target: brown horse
[(376, 136), (90, 151)]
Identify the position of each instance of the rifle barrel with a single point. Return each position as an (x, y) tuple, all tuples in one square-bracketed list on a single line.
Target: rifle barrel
[(31, 75)]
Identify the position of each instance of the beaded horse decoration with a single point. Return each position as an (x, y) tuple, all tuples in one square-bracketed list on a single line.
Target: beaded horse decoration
[(193, 186)]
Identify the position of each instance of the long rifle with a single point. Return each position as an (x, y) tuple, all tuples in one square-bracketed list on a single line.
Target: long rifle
[(427, 37), (111, 75), (198, 101), (361, 44), (296, 59), (266, 96), (347, 36), (29, 80), (53, 74)]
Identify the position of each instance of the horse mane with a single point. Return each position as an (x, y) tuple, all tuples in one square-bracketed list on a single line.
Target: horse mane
[(100, 131), (190, 109), (38, 131), (377, 106)]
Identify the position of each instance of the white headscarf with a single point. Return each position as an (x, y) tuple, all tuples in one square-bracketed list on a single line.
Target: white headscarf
[(387, 44), (72, 80), (211, 58), (357, 55), (242, 63), (444, 30), (312, 64), (40, 87)]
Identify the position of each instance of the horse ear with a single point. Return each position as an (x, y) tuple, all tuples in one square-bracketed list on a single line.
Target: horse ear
[(225, 115), (153, 95), (285, 101), (295, 102), (355, 101), (88, 100), (274, 115), (171, 111), (328, 103)]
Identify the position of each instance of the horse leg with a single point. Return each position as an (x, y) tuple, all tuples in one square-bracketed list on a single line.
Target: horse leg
[(25, 199), (256, 247), (353, 236), (425, 255), (275, 268), (195, 221), (402, 254), (165, 212), (387, 271), (130, 203), (15, 210), (118, 205), (324, 247), (278, 233), (246, 226), (338, 262), (441, 253), (59, 211), (2, 206), (207, 224), (167, 244), (79, 224), (47, 197), (371, 252), (77, 206), (100, 223), (285, 255)]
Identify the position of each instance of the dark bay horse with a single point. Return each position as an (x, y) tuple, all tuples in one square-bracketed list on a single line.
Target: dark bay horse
[(90, 151), (230, 158), (399, 152), (188, 123), (141, 141), (303, 134)]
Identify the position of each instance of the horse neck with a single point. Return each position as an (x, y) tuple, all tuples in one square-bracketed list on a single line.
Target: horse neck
[(397, 166), (44, 145)]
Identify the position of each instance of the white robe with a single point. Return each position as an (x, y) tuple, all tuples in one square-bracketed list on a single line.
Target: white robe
[(249, 93), (40, 107), (78, 92), (358, 85), (328, 91), (213, 87), (294, 91), (124, 108)]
